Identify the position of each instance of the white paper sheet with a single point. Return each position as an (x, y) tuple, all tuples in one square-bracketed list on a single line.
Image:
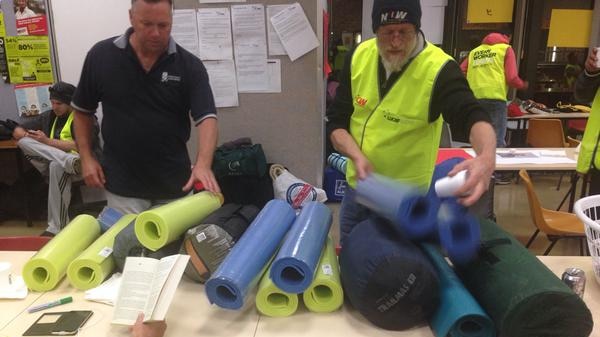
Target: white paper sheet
[(223, 82), (250, 46), (275, 46), (295, 32), (214, 32), (273, 84), (184, 29), (513, 156)]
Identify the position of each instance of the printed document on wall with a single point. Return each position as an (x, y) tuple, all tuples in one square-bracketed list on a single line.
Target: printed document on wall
[(275, 46), (184, 29), (273, 84), (250, 46), (223, 82), (214, 27), (295, 32)]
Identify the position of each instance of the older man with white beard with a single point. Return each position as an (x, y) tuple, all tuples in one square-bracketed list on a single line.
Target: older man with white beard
[(386, 114)]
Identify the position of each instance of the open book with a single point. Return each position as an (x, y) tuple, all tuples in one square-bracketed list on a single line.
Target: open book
[(148, 286)]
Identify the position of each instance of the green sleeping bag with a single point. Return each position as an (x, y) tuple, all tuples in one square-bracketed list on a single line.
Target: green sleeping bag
[(523, 297)]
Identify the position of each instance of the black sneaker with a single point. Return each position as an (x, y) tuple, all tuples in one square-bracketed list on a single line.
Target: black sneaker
[(46, 233)]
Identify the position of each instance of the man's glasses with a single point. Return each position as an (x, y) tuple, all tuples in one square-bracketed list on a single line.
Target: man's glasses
[(402, 34)]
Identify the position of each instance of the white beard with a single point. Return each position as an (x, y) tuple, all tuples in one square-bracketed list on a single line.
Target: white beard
[(395, 63)]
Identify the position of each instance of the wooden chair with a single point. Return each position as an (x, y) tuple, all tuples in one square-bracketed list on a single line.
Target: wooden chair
[(555, 224), (573, 142), (23, 243), (545, 133)]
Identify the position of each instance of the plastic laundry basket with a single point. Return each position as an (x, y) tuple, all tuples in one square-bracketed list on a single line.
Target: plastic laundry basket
[(588, 210)]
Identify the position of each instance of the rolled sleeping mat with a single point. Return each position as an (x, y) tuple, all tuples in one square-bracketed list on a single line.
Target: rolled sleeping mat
[(386, 277), (272, 301), (413, 213), (209, 243), (338, 162), (49, 265), (459, 314), (325, 293), (521, 295), (294, 266), (458, 232), (96, 263), (241, 269), (159, 226)]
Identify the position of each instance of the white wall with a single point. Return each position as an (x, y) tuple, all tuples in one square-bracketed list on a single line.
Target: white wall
[(79, 24), (432, 21)]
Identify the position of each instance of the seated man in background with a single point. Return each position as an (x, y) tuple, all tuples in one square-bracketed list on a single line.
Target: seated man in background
[(48, 143)]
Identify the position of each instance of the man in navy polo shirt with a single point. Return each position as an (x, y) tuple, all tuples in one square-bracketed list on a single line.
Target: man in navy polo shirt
[(148, 86)]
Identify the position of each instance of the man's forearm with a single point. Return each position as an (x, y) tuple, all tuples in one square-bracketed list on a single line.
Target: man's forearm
[(84, 126), (483, 139), (207, 141), (344, 143)]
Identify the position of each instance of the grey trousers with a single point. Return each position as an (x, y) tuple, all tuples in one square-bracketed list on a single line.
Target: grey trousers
[(128, 205), (57, 165)]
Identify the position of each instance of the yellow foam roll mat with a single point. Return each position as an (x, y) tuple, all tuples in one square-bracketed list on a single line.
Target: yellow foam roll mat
[(272, 301), (48, 266), (159, 226), (325, 293), (94, 264)]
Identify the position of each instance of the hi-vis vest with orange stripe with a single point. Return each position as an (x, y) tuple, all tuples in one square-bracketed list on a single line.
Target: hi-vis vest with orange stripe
[(394, 131), (486, 71)]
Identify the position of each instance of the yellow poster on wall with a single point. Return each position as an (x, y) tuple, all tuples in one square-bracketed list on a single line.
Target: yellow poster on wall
[(489, 11), (2, 27), (28, 59), (570, 28)]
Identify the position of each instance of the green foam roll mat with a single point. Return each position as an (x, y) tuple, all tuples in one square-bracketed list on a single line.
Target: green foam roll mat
[(49, 265), (272, 301), (325, 293), (96, 263), (522, 296), (159, 226)]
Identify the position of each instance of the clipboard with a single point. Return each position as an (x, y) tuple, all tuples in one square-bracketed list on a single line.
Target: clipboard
[(65, 323)]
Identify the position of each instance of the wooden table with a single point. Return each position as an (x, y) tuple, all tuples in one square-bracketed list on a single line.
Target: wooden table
[(191, 314), (11, 146)]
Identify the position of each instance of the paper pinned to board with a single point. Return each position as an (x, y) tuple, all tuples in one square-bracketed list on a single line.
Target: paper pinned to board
[(275, 45), (294, 31), (214, 32), (223, 82), (184, 30)]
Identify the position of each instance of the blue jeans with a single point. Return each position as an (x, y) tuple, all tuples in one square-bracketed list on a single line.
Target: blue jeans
[(351, 213), (498, 112)]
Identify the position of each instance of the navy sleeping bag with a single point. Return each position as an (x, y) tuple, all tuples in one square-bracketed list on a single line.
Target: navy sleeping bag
[(386, 277)]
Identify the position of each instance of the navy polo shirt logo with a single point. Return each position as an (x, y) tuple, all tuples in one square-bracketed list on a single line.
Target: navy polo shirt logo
[(165, 77)]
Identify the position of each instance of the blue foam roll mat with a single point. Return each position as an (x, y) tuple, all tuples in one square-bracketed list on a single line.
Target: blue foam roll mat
[(413, 213), (294, 266), (458, 232), (243, 266), (458, 314)]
